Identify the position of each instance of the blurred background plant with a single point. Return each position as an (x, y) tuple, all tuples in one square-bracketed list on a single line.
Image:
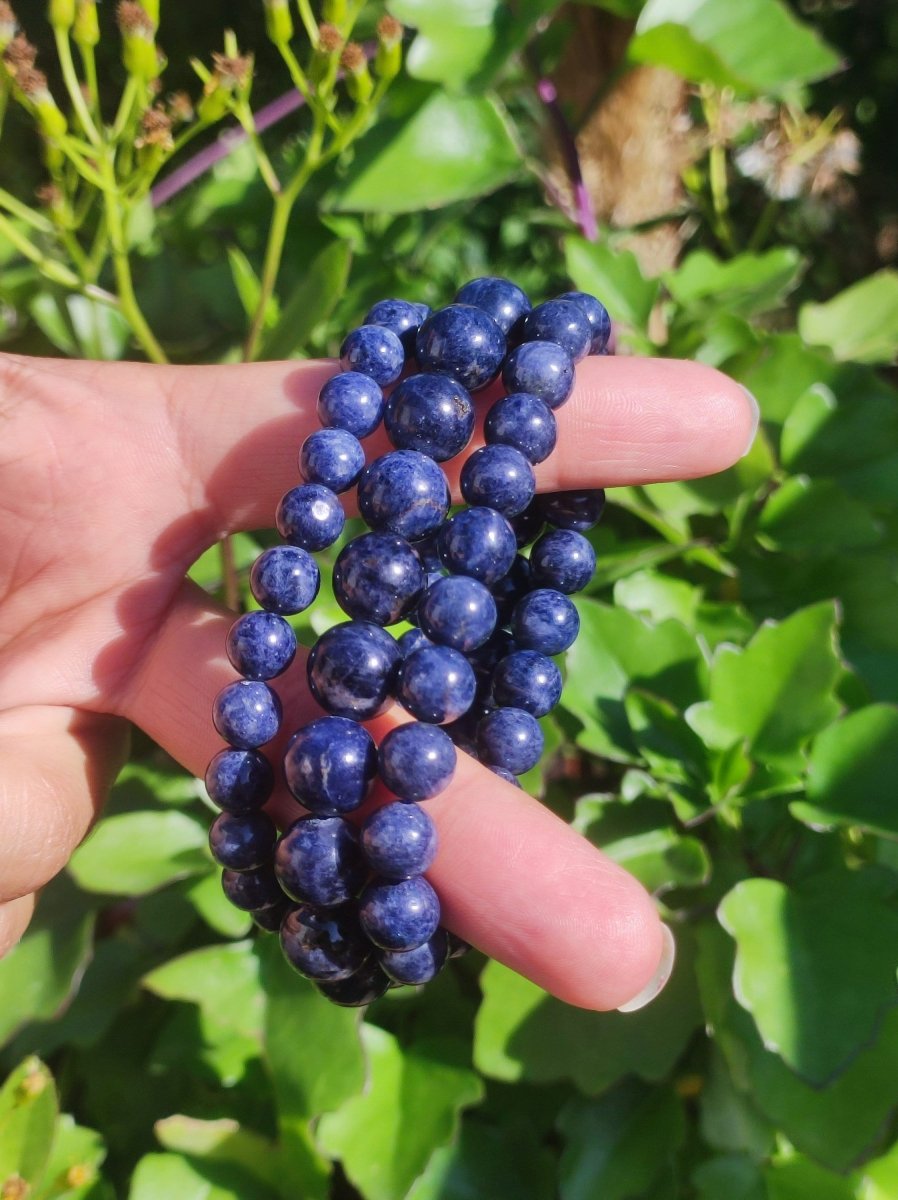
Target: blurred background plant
[(722, 176)]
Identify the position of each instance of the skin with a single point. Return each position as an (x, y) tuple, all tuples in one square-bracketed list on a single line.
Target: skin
[(117, 476)]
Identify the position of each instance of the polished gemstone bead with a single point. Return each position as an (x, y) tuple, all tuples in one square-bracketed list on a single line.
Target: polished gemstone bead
[(478, 542), (411, 640), (332, 457), (270, 918), (318, 861), (239, 781), (505, 774), (261, 645), (404, 492), (329, 765), (420, 965), (436, 684), (529, 680), (573, 510), (375, 351), (353, 402), (310, 516), (378, 577), (528, 525), (399, 840), (562, 322), (511, 588), (247, 713), (510, 738), (458, 611), (461, 341), (522, 421), (542, 369), (545, 620), (402, 316), (562, 559), (416, 761), (324, 943), (464, 731), (498, 477), (596, 314), (352, 669), (242, 843), (252, 890), (363, 986), (285, 579), (399, 915), (505, 302), (430, 413)]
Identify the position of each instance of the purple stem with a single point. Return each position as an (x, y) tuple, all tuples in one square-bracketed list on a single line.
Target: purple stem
[(586, 216)]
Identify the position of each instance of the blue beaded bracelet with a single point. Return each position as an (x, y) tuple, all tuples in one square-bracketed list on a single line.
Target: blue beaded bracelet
[(349, 897)]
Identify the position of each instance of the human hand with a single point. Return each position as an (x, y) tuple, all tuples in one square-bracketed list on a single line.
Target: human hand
[(116, 477)]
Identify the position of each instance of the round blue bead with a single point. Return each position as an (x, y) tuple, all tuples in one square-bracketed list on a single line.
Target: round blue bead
[(318, 861), (404, 492), (498, 477), (528, 524), (239, 781), (458, 611), (247, 713), (353, 402), (261, 645), (542, 369), (528, 680), (332, 457), (510, 738), (562, 322), (461, 341), (351, 670), (361, 988), (505, 302), (329, 765), (418, 966), (573, 510), (375, 351), (242, 843), (399, 840), (511, 588), (324, 943), (478, 542), (378, 577), (564, 560), (399, 915), (285, 579), (545, 620), (436, 684), (504, 773), (412, 640), (430, 413), (596, 314), (270, 918), (252, 890), (416, 761), (402, 316), (522, 421), (310, 516)]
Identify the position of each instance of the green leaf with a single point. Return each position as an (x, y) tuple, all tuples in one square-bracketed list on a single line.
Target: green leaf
[(73, 1166), (756, 46), (249, 286), (658, 597), (797, 1178), (158, 1175), (661, 859), (878, 1180), (311, 301), (743, 285), (222, 980), (28, 1112), (386, 1136), (729, 1119), (222, 1141), (207, 570), (136, 853), (447, 148), (816, 989), (216, 910), (504, 1163), (849, 763), (615, 277), (816, 517), (860, 324), (733, 1176), (776, 692)]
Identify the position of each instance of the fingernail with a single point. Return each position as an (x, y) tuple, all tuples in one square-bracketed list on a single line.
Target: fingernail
[(659, 979), (756, 419)]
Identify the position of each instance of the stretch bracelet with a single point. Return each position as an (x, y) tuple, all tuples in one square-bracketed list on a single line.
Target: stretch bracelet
[(346, 890)]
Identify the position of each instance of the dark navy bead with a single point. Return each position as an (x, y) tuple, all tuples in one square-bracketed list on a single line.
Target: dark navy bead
[(486, 657), (285, 579), (252, 890), (510, 738), (239, 781), (418, 966), (573, 510), (332, 457), (498, 477), (416, 761), (270, 918), (545, 620), (505, 774), (404, 492), (564, 560), (242, 843), (363, 986), (562, 322), (430, 413), (529, 680), (426, 550), (378, 577), (461, 341), (375, 351), (529, 524), (399, 915), (412, 640), (318, 861), (522, 421), (329, 765), (399, 840), (596, 314), (436, 684), (247, 713), (458, 947), (511, 588), (324, 943), (261, 645), (477, 542), (502, 299), (310, 516), (353, 402), (402, 316), (352, 668), (458, 611), (542, 369)]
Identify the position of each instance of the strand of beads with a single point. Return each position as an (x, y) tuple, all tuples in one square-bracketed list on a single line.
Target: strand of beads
[(355, 911)]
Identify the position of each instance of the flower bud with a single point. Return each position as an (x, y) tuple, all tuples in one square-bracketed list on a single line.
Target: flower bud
[(62, 14), (180, 108), (19, 55), (32, 84), (330, 43), (8, 24), (358, 78), (388, 59), (138, 40), (278, 21), (155, 140), (87, 29), (232, 74)]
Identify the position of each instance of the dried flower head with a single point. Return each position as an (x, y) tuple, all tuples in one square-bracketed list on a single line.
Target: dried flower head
[(353, 58), (48, 195), (233, 72), (8, 22), (33, 83), (155, 130), (330, 40), (15, 1188), (389, 30), (19, 53), (801, 154), (134, 19), (180, 108)]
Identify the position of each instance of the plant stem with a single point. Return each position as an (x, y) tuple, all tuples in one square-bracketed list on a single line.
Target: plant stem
[(308, 20), (24, 213), (230, 582), (717, 165), (73, 87), (269, 176), (89, 63)]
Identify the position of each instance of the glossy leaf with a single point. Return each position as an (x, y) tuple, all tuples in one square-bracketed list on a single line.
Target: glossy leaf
[(746, 284), (615, 277), (158, 1175), (502, 1163), (135, 853), (816, 517), (222, 1141), (735, 1176), (858, 325), (28, 1112), (313, 299), (662, 859)]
